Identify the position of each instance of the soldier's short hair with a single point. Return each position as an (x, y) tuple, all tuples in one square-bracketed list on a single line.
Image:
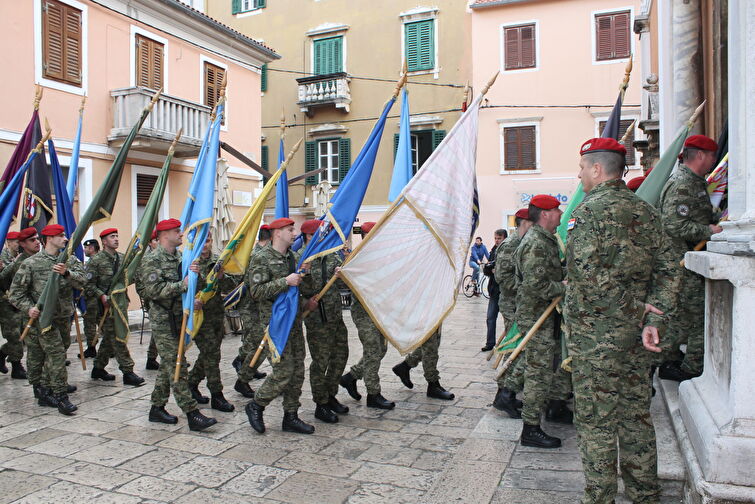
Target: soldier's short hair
[(264, 234), (689, 153), (612, 162), (518, 221), (501, 232), (534, 212)]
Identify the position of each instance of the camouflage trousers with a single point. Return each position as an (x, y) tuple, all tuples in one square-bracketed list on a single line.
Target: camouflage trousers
[(251, 337), (513, 378), (152, 349), (11, 323), (287, 376), (208, 341), (686, 323), (374, 347), (329, 347), (46, 355), (110, 347), (167, 349), (541, 381), (428, 355), (612, 402), (91, 319)]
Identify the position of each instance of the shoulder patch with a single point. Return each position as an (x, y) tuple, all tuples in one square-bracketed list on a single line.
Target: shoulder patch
[(257, 278), (152, 277), (702, 193), (89, 275), (570, 224), (682, 210)]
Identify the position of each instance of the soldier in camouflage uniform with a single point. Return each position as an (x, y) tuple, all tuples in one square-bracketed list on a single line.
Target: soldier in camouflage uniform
[(100, 271), (46, 351), (152, 363), (159, 278), (687, 219), (539, 281), (252, 329), (327, 336), (427, 354), (621, 271), (92, 315), (11, 319), (209, 338), (273, 271), (374, 347), (10, 251), (511, 382)]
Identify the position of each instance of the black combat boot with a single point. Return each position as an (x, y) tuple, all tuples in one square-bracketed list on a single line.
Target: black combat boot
[(505, 400), (131, 378), (220, 403), (159, 415), (533, 435), (90, 352), (46, 398), (152, 364), (322, 412), (236, 363), (199, 422), (258, 375), (64, 405), (348, 382), (292, 423), (197, 395), (337, 407), (672, 370), (558, 412), (3, 366), (70, 389), (402, 370), (244, 389), (36, 389), (254, 414), (101, 374), (380, 402), (436, 391), (18, 370)]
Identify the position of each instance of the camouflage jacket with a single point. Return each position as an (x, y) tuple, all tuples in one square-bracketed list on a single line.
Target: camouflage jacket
[(686, 209), (31, 278), (268, 270), (213, 309), (7, 256), (160, 282), (10, 267), (100, 270), (539, 274), (323, 268), (504, 273), (617, 259)]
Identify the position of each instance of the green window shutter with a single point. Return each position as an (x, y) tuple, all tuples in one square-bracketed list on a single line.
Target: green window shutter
[(235, 6), (263, 77), (419, 42), (264, 161), (438, 136), (310, 161), (395, 145), (259, 4), (344, 158), (328, 55)]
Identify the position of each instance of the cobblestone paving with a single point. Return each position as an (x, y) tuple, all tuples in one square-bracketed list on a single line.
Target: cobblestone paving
[(425, 450)]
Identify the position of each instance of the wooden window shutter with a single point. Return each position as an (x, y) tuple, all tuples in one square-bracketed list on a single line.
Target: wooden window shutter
[(396, 136), (61, 46), (603, 37), (144, 185), (328, 57), (419, 45), (519, 47), (235, 6), (621, 35), (520, 149), (438, 136), (259, 4), (213, 79), (511, 48), (310, 161), (527, 46), (264, 158), (612, 36), (149, 63), (527, 150), (344, 158), (263, 77), (623, 125)]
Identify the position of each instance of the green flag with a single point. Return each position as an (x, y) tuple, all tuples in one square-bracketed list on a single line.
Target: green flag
[(509, 342), (137, 247), (651, 187), (100, 209)]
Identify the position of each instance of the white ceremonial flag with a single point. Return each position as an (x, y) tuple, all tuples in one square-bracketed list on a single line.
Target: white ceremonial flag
[(407, 271)]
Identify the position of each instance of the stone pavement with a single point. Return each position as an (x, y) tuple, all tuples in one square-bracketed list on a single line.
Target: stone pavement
[(425, 450)]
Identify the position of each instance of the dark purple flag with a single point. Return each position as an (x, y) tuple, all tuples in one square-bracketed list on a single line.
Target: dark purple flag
[(20, 153), (36, 207)]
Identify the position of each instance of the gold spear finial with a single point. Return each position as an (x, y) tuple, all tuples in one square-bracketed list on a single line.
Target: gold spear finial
[(627, 132), (83, 102), (172, 148), (38, 96), (154, 99), (41, 144), (490, 83), (283, 123), (221, 98), (400, 83), (627, 73), (466, 93), (696, 114)]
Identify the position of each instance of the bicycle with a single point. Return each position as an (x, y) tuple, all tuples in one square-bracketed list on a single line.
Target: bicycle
[(469, 287)]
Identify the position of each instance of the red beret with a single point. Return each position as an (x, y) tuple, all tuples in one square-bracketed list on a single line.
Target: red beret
[(544, 202), (52, 230), (281, 223), (602, 145), (523, 213), (310, 226), (701, 142), (367, 227), (154, 234), (13, 235), (27, 233), (108, 231), (168, 224), (265, 227), (634, 183)]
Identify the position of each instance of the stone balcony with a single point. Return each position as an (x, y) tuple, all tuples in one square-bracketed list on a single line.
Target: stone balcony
[(167, 117), (324, 90)]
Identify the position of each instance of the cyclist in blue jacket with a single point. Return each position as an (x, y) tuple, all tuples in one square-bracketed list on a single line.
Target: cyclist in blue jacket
[(479, 251)]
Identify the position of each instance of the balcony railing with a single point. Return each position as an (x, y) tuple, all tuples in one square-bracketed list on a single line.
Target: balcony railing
[(167, 117), (331, 89)]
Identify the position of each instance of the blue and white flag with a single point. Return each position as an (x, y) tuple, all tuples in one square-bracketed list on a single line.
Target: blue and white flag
[(73, 169)]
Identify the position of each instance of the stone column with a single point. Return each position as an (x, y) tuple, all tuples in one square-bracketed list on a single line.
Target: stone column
[(687, 60), (718, 408)]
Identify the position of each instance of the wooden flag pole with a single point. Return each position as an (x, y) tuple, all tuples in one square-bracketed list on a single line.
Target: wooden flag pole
[(498, 361), (39, 90), (500, 338), (78, 339), (101, 323), (258, 352), (181, 345), (529, 335)]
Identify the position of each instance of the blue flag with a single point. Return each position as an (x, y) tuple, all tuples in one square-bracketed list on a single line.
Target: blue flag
[(197, 214), (331, 235), (281, 189), (10, 196), (73, 169), (402, 166)]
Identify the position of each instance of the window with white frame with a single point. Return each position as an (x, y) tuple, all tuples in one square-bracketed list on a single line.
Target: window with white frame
[(60, 45), (327, 157), (520, 152), (238, 6)]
